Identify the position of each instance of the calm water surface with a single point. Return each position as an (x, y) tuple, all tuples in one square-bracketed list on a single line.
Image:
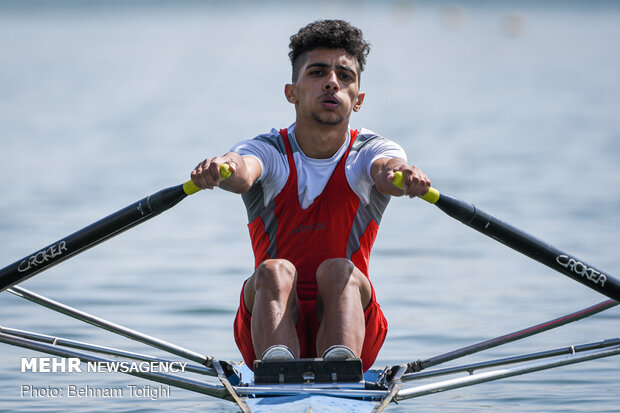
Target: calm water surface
[(513, 107)]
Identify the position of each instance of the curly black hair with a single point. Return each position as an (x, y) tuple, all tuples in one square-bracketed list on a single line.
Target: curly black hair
[(331, 34)]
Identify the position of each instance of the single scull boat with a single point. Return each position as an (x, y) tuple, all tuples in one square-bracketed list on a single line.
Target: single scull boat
[(311, 385)]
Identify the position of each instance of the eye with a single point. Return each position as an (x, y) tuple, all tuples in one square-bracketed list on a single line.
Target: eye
[(316, 72)]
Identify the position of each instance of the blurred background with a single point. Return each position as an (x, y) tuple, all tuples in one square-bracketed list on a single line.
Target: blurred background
[(512, 105)]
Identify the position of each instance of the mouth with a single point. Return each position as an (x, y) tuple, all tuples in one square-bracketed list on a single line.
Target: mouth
[(330, 102)]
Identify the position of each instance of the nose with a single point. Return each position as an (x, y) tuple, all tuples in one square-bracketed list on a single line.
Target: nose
[(332, 81)]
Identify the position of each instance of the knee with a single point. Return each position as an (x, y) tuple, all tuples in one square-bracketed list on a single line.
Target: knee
[(275, 274), (335, 271)]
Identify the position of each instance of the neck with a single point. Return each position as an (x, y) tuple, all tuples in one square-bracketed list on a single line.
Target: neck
[(320, 141)]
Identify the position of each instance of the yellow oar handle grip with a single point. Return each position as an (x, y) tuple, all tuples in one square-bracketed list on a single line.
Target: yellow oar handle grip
[(431, 196), (191, 188)]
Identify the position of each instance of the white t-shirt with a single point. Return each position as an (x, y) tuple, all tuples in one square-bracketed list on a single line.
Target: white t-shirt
[(312, 173)]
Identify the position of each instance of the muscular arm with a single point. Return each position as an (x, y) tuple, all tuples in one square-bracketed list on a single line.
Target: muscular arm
[(415, 182), (245, 171)]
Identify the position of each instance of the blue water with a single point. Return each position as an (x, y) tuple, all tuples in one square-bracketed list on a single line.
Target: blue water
[(513, 106)]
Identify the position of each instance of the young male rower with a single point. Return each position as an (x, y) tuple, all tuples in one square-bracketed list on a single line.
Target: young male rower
[(315, 193)]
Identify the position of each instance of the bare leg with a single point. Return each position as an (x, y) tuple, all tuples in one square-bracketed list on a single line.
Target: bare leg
[(270, 295), (344, 292)]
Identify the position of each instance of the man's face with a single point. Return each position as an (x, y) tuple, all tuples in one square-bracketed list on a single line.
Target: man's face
[(327, 87)]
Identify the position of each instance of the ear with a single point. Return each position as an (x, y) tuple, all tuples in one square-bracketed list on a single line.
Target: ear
[(358, 103), (289, 92)]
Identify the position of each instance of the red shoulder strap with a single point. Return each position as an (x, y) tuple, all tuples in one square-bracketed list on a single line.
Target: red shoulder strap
[(289, 151)]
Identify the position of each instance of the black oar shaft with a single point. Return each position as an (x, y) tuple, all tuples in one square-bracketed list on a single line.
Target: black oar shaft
[(520, 241), (91, 235), (528, 245)]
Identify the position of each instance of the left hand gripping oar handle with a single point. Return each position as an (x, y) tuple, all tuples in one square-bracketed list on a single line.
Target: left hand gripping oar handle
[(522, 242), (98, 232), (432, 196)]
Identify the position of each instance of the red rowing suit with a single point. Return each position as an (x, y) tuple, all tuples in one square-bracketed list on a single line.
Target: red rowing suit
[(335, 225)]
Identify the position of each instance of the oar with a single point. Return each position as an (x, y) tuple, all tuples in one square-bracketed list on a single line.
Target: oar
[(520, 241), (98, 232)]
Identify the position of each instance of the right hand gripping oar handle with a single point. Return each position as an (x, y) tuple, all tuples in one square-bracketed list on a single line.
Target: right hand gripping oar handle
[(191, 188), (432, 196)]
